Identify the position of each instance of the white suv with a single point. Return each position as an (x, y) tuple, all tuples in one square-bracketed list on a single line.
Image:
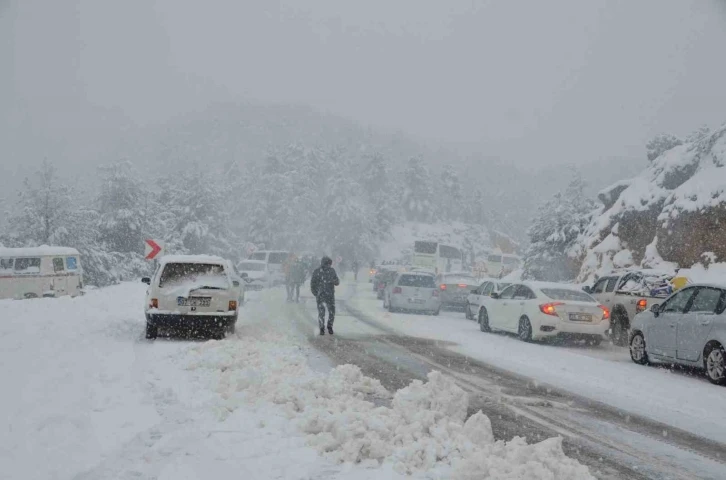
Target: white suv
[(196, 293)]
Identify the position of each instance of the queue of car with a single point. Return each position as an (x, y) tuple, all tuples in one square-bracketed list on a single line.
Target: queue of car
[(683, 327)]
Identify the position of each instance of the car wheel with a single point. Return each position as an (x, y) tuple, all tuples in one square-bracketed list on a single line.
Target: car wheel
[(30, 295), (484, 320), (151, 331), (219, 333), (437, 312), (467, 312), (594, 341), (715, 364), (638, 353), (619, 333), (524, 332)]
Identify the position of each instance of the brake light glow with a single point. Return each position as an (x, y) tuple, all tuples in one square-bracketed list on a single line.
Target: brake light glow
[(641, 305), (462, 285), (397, 290), (154, 303), (372, 271), (232, 305), (606, 312), (549, 308), (442, 287)]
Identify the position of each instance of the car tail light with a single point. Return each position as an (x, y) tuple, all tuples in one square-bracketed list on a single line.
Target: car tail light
[(434, 293), (372, 271), (397, 290), (606, 312), (641, 305), (442, 287), (462, 285), (549, 308), (232, 305), (154, 303)]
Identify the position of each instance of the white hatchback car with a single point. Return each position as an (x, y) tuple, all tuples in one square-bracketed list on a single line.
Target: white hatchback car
[(481, 295), (413, 292), (192, 293), (536, 310)]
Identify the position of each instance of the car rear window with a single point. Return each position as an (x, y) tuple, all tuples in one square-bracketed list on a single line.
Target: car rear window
[(419, 281), (175, 273), (494, 258), (259, 256), (567, 294), (252, 267)]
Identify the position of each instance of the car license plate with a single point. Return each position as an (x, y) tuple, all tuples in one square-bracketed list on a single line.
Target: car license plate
[(580, 317), (194, 301), (416, 300)]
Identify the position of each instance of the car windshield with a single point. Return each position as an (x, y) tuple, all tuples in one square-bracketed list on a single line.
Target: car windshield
[(564, 294), (420, 281), (197, 274), (251, 267)]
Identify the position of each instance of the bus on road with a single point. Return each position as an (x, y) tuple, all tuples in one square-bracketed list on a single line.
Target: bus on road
[(437, 257)]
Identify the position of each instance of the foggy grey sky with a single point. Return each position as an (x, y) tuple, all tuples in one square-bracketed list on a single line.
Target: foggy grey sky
[(534, 82)]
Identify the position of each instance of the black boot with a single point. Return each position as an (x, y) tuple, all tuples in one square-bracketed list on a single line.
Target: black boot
[(322, 331), (330, 329)]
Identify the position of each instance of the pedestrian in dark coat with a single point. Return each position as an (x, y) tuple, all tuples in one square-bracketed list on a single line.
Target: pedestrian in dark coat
[(322, 286)]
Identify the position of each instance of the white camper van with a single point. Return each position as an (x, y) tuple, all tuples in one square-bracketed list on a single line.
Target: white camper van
[(40, 272)]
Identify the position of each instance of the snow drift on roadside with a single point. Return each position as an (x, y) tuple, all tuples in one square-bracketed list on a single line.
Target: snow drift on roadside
[(425, 429)]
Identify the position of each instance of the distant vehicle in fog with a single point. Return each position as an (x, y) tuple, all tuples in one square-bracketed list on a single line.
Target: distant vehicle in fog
[(258, 274), (412, 292), (455, 289), (40, 272), (688, 328), (194, 293), (500, 264), (275, 260), (439, 257)]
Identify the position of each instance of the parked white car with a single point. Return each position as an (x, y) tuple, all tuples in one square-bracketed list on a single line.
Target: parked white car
[(688, 328), (192, 293), (275, 260), (413, 292), (481, 295), (536, 310), (258, 274)]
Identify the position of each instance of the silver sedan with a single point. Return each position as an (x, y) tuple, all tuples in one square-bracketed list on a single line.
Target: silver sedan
[(688, 328)]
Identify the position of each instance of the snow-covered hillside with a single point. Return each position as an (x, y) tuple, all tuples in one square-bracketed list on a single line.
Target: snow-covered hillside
[(671, 215)]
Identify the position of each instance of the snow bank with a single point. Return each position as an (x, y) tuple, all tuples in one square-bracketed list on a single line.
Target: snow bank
[(425, 429)]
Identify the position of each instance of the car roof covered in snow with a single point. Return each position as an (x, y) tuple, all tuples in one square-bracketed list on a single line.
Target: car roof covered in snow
[(41, 251), (193, 259)]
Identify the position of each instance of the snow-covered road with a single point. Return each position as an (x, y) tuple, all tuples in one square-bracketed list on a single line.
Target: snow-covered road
[(87, 397)]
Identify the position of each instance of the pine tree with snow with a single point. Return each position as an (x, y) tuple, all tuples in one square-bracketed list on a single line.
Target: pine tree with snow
[(417, 191), (379, 190), (451, 194), (660, 144), (554, 232)]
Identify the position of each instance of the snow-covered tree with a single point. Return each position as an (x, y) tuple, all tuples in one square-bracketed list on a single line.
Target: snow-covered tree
[(41, 213), (660, 144), (554, 232), (122, 205), (379, 190), (417, 192), (451, 193)]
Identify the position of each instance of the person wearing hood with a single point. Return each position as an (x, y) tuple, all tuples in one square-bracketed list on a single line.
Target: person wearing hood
[(322, 285)]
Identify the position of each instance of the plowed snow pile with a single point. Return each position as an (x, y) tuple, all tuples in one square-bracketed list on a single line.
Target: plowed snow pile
[(424, 432)]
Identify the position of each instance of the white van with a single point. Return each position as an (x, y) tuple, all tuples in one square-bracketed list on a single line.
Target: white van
[(500, 264), (40, 272), (275, 259)]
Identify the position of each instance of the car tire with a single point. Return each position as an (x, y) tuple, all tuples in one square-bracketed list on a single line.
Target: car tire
[(219, 333), (524, 331), (437, 312), (594, 341), (151, 331), (638, 352), (484, 320), (467, 312), (619, 330), (714, 362)]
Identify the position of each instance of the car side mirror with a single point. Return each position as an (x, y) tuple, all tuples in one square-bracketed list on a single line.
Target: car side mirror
[(235, 283), (587, 289), (146, 280), (244, 275), (655, 309), (495, 295)]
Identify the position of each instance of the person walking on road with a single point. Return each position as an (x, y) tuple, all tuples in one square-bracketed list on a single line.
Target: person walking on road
[(287, 270), (356, 267), (297, 276), (322, 286)]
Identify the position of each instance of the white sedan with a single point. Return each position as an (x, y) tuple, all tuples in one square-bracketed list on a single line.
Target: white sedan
[(536, 310)]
